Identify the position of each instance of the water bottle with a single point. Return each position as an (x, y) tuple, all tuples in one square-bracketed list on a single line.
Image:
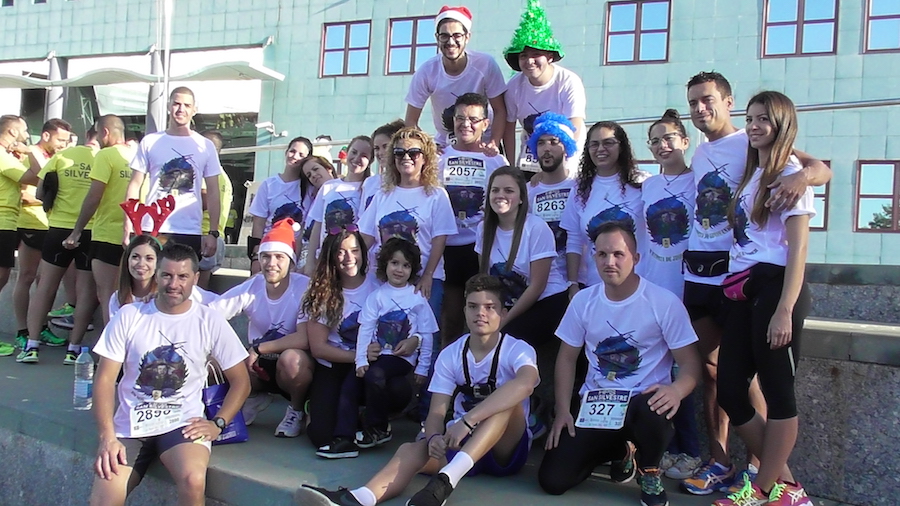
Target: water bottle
[(82, 400)]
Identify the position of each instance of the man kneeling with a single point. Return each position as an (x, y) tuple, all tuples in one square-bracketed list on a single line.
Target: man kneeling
[(163, 345), (630, 330), (495, 374)]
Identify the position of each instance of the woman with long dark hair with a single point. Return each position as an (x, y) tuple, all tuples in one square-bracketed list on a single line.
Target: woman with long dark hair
[(137, 272)]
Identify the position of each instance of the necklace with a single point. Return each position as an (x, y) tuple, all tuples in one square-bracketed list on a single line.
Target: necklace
[(669, 181)]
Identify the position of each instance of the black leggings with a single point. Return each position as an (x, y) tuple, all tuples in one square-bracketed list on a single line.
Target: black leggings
[(573, 460), (745, 352), (538, 325), (326, 402), (378, 381)]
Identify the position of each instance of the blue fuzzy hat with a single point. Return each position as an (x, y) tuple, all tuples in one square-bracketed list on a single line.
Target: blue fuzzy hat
[(557, 125)]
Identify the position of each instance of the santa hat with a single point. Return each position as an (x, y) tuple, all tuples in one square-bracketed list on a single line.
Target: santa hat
[(557, 125), (461, 14), (281, 238)]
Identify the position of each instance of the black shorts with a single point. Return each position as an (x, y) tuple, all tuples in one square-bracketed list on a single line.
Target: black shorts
[(705, 300), (54, 253), (141, 451), (33, 238), (9, 241), (107, 253), (194, 241), (460, 264), (268, 379)]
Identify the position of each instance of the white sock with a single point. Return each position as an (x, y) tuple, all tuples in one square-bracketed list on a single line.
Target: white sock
[(753, 469), (75, 347), (33, 343), (365, 496), (458, 467)]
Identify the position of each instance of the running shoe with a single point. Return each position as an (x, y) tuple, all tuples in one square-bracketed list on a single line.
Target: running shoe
[(253, 405), (68, 323), (711, 477), (339, 448), (64, 310), (339, 497), (435, 492), (373, 436), (7, 349), (739, 480), (622, 471), (28, 356), (748, 495), (652, 491), (70, 358), (788, 494), (683, 468), (51, 339), (667, 461), (21, 339), (291, 423), (536, 426)]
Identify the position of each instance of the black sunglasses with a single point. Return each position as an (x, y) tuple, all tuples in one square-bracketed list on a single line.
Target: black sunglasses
[(414, 153)]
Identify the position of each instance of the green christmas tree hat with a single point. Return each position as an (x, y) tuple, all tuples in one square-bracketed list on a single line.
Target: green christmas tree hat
[(534, 31)]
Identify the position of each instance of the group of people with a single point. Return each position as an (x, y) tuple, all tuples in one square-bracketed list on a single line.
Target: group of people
[(435, 264)]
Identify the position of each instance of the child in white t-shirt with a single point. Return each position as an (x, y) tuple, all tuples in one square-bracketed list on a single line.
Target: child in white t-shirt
[(401, 322)]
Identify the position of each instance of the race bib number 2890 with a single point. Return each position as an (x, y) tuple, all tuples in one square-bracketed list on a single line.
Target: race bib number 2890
[(603, 409), (151, 418)]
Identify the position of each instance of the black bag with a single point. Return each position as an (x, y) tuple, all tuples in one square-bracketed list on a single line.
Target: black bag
[(706, 264)]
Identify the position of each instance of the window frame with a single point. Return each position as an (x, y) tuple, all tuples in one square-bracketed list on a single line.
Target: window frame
[(867, 22), (825, 195), (798, 37), (637, 32), (412, 46), (345, 50), (895, 198)]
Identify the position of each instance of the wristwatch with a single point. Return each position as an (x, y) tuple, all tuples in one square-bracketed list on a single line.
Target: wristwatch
[(214, 233), (220, 423)]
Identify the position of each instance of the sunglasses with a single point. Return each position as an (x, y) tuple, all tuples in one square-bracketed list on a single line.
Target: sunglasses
[(414, 153), (352, 228)]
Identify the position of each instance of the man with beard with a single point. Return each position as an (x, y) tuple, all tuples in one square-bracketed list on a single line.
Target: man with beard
[(553, 141), (177, 161), (464, 169), (279, 359), (452, 73), (161, 346)]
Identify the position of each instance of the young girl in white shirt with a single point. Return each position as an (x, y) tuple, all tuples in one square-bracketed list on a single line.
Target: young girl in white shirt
[(762, 332), (401, 323)]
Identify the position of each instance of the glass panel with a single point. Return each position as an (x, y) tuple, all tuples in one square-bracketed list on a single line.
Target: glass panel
[(334, 36), (621, 17), (423, 54), (781, 39), (818, 221), (334, 64), (650, 167), (358, 62), (884, 34), (653, 47), (425, 33), (359, 35), (818, 9), (655, 16), (884, 7), (875, 214), (876, 179), (399, 60), (401, 32), (783, 10), (818, 38), (621, 48)]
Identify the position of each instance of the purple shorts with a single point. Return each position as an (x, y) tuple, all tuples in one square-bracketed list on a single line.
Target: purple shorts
[(489, 465)]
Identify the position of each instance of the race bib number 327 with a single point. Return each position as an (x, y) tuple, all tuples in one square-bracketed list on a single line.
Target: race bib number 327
[(603, 409)]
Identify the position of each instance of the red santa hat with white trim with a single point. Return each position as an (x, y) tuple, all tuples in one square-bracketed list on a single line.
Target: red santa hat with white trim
[(281, 238), (461, 14)]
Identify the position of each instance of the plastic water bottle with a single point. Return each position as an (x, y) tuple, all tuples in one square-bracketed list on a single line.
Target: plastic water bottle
[(84, 381)]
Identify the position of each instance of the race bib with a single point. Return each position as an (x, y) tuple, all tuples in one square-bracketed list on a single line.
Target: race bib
[(151, 418), (464, 171), (528, 162), (549, 205), (603, 409)]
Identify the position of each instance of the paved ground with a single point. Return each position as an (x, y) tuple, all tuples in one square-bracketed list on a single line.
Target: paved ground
[(269, 470)]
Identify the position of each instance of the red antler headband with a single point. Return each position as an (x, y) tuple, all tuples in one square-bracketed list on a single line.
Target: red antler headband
[(158, 212)]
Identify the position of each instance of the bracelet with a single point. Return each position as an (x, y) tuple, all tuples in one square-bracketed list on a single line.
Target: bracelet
[(470, 427), (418, 341), (255, 348)]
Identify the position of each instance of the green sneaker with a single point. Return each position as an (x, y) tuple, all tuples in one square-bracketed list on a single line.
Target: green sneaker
[(21, 339), (62, 311), (6, 349), (71, 357), (51, 339), (29, 356)]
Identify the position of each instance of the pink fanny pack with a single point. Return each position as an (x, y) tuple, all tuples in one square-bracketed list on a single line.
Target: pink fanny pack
[(735, 285)]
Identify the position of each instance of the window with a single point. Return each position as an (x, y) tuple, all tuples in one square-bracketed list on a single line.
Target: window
[(649, 166), (410, 43), (799, 27), (876, 196), (345, 49), (882, 26), (6, 3), (820, 202), (637, 32)]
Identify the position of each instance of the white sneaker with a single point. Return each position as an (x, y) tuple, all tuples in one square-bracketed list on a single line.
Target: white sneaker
[(684, 467), (291, 423), (667, 461), (253, 405)]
